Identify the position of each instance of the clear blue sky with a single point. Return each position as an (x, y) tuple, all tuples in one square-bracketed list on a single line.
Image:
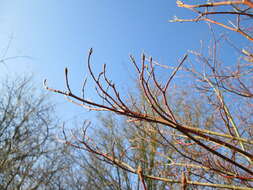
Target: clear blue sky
[(58, 33)]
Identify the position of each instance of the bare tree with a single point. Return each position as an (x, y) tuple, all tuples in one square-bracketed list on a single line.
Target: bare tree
[(29, 156), (211, 138)]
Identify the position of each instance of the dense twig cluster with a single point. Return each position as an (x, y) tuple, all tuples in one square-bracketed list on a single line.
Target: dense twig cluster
[(215, 152), (224, 166)]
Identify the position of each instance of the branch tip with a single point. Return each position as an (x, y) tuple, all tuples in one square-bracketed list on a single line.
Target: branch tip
[(45, 83), (90, 51)]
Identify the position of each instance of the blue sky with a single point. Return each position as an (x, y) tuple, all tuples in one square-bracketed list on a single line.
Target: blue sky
[(57, 34)]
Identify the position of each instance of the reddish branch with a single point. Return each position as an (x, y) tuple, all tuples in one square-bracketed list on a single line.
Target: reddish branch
[(213, 4), (202, 15), (141, 177), (165, 115), (222, 165)]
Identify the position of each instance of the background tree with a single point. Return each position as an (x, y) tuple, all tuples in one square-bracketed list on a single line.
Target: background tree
[(30, 158), (209, 129)]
